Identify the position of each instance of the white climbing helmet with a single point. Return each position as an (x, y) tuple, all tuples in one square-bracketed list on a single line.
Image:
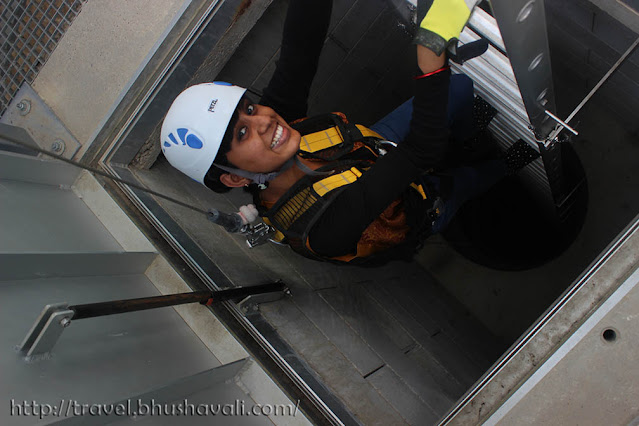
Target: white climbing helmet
[(193, 128)]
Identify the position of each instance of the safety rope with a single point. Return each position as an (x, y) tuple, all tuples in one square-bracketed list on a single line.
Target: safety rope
[(101, 173)]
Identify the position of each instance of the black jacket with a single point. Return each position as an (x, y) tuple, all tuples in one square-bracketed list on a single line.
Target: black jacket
[(337, 232)]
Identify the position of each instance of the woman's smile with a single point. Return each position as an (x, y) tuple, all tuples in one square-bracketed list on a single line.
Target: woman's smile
[(262, 141), (279, 137)]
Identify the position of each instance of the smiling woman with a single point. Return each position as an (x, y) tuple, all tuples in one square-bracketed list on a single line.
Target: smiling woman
[(262, 141), (332, 189)]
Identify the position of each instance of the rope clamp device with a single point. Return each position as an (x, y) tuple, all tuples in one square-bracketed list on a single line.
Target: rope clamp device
[(259, 234)]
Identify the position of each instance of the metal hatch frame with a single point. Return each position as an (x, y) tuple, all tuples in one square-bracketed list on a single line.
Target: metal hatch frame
[(118, 142)]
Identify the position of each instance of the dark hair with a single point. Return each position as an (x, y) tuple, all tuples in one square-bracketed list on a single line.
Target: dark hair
[(212, 177)]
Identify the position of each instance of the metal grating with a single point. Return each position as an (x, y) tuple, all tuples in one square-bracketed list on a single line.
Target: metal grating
[(29, 32)]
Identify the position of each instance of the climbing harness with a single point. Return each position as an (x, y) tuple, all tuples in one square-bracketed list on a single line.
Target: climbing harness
[(350, 150)]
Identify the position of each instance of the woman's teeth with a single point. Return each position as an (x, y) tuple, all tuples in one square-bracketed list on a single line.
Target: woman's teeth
[(276, 137)]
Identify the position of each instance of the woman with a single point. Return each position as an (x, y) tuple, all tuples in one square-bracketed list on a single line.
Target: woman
[(333, 190)]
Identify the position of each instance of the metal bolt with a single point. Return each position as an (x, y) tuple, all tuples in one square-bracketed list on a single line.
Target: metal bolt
[(542, 95), (525, 11), (65, 322), (24, 106), (535, 62), (58, 146)]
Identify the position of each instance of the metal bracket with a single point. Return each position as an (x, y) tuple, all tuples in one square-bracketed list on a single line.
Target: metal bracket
[(46, 331), (554, 135), (29, 111), (562, 124), (250, 304)]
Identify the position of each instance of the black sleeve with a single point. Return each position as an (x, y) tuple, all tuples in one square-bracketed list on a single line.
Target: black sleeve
[(302, 41), (340, 227)]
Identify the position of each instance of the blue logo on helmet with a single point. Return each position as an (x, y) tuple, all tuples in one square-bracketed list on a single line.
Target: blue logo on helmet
[(185, 138)]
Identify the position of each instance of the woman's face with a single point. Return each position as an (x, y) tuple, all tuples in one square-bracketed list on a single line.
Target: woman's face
[(262, 140)]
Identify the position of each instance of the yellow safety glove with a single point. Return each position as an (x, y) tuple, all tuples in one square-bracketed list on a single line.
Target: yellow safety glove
[(440, 23)]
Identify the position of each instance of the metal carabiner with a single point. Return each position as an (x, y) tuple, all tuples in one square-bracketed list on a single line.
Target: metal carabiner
[(258, 234)]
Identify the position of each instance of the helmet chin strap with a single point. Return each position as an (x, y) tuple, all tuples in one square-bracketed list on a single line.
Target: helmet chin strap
[(262, 178), (259, 178)]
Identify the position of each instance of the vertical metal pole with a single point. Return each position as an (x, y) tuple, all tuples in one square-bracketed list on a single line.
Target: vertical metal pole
[(522, 24), (523, 29)]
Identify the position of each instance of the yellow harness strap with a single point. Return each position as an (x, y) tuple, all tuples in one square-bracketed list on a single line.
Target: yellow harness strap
[(419, 188), (330, 183), (315, 142), (330, 137), (297, 205)]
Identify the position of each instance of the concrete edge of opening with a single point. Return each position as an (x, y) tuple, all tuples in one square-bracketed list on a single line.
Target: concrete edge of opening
[(589, 363), (595, 285)]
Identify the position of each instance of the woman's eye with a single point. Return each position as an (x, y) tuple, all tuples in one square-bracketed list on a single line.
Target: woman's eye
[(250, 109), (241, 133)]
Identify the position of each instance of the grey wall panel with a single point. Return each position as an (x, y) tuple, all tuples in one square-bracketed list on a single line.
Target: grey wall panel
[(39, 218), (97, 360), (36, 170), (44, 265)]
